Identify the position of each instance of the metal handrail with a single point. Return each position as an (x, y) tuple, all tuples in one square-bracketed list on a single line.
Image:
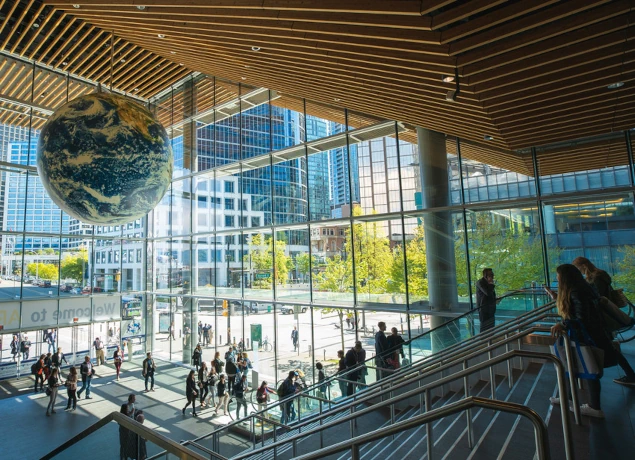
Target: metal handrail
[(526, 318), (568, 440), (170, 446), (540, 428)]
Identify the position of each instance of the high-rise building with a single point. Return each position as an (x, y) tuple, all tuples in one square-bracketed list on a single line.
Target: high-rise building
[(343, 167), (318, 164)]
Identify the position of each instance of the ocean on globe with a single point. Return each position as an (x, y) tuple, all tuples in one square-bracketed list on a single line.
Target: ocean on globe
[(104, 159)]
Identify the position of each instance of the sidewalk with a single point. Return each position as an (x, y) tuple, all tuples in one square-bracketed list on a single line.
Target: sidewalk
[(25, 421)]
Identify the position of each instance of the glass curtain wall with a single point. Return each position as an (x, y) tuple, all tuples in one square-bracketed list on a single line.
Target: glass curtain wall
[(292, 228)]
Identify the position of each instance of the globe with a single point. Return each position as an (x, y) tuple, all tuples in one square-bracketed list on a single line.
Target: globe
[(104, 159)]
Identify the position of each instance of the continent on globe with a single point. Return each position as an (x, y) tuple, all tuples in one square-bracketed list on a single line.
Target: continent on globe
[(104, 159)]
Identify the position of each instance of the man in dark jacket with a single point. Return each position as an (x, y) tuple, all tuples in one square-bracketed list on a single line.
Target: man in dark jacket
[(86, 370), (239, 392), (381, 348), (352, 360), (289, 388), (486, 299), (58, 358)]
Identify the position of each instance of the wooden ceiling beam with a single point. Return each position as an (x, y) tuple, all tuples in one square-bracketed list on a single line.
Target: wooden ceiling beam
[(499, 16), (542, 18), (552, 74), (17, 23), (46, 35), (570, 30), (54, 39), (28, 28), (389, 7), (462, 11)]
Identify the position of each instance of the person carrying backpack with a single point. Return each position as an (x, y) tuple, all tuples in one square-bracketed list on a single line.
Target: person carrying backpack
[(287, 389), (239, 391), (262, 395)]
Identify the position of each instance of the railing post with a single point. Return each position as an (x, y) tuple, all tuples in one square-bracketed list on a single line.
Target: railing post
[(468, 412), (510, 375), (426, 396), (355, 452), (572, 381), (321, 431), (492, 384)]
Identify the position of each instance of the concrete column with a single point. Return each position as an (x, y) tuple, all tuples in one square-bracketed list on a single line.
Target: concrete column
[(439, 235)]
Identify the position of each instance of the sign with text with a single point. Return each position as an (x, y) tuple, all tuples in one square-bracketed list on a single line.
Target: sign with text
[(106, 308), (10, 315)]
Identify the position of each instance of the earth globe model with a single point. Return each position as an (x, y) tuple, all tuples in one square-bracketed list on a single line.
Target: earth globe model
[(104, 159)]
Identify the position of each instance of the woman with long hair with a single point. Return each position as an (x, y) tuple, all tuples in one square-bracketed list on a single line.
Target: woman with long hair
[(212, 380), (203, 383), (576, 301), (190, 392), (118, 359), (71, 388), (594, 276)]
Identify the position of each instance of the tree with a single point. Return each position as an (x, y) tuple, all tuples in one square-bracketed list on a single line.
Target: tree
[(260, 258), (43, 271), (417, 267), (336, 277), (73, 265), (625, 274), (304, 262)]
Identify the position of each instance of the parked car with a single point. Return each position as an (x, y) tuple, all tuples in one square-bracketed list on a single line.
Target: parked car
[(67, 287), (76, 291), (288, 309), (45, 283)]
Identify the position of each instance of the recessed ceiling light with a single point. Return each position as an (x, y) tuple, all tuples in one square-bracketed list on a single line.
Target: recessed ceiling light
[(487, 137), (64, 63), (172, 52), (616, 85), (160, 35), (337, 99), (122, 61), (75, 5), (136, 89), (447, 78), (43, 94), (255, 48), (36, 25), (180, 63), (141, 7), (244, 78)]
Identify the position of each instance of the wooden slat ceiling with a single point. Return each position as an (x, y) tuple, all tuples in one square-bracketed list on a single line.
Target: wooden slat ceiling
[(531, 72)]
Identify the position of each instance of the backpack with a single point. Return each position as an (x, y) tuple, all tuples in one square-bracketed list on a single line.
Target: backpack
[(35, 367), (261, 396)]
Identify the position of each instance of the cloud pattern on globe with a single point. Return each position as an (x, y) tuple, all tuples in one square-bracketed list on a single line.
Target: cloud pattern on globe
[(104, 159)]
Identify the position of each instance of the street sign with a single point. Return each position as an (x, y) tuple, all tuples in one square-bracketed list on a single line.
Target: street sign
[(263, 276)]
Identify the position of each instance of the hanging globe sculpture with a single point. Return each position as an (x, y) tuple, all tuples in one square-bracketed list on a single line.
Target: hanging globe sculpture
[(104, 159)]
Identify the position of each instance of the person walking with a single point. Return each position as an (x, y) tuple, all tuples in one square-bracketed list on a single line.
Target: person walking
[(128, 408), (581, 320), (321, 391), (212, 381), (240, 391), (363, 371), (99, 351), (381, 350), (231, 370), (395, 345), (39, 373), (197, 356), (295, 338), (58, 358), (601, 282), (15, 347), (50, 339), (222, 394), (117, 357), (244, 365), (54, 383), (289, 388), (217, 363), (486, 299), (341, 370), (262, 395), (203, 383), (71, 388), (149, 367), (25, 346), (190, 392), (351, 363), (87, 371)]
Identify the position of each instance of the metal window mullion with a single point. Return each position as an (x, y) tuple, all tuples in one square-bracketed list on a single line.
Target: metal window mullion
[(351, 220), (466, 244), (541, 217), (629, 151)]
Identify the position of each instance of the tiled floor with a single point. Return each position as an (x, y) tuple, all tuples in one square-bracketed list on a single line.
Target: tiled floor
[(28, 434)]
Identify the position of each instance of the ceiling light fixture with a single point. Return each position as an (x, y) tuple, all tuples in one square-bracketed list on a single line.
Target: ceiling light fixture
[(64, 63), (75, 6), (36, 25), (255, 48), (336, 99), (160, 35), (141, 7), (136, 89), (487, 137), (122, 61), (447, 78), (180, 63), (616, 85), (454, 93), (244, 78), (172, 52)]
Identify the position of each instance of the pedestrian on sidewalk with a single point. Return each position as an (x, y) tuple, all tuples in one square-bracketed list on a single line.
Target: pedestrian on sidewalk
[(87, 371), (58, 358), (149, 367), (223, 396), (203, 383), (15, 347), (71, 388), (118, 359), (54, 383), (190, 392), (128, 408), (240, 390), (197, 356), (212, 381), (295, 338), (25, 346), (217, 363)]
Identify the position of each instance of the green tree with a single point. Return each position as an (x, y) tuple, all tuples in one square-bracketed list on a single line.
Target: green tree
[(260, 258), (336, 277), (304, 262), (43, 271), (417, 267), (73, 265), (625, 269)]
